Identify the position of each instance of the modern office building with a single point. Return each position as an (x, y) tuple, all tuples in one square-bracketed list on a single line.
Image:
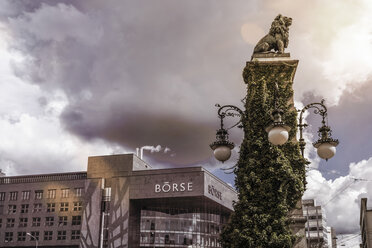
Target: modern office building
[(365, 224), (120, 201), (316, 224)]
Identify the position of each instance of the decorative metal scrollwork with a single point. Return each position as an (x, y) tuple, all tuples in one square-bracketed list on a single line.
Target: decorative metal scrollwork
[(324, 131)]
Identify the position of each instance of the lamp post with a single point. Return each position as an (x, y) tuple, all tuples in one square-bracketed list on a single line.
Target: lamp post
[(32, 236), (326, 146), (222, 146), (278, 136), (277, 130), (270, 173)]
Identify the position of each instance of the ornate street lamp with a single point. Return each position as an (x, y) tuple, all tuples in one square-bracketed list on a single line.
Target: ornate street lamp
[(222, 146), (326, 145), (277, 130), (270, 172)]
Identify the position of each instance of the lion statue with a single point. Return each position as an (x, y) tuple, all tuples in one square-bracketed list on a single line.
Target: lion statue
[(277, 38)]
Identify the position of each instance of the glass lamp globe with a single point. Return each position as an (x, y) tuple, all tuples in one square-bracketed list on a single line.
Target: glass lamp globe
[(222, 153), (278, 135), (326, 150)]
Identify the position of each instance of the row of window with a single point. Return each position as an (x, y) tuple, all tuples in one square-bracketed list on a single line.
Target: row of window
[(36, 221), (48, 235), (178, 240), (38, 194), (50, 207), (314, 228)]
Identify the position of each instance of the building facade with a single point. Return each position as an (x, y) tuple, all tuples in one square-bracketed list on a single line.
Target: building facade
[(331, 236), (316, 225), (120, 201), (365, 224)]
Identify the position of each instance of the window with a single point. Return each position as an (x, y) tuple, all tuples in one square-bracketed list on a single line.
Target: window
[(1, 223), (78, 192), (26, 195), (24, 208), (37, 207), (12, 209), (13, 196), (78, 206), (49, 221), (21, 236), (51, 194), (48, 235), (62, 221), (36, 221), (51, 207), (23, 222), (76, 220), (61, 235), (35, 235), (65, 192), (1, 209), (38, 194), (64, 207), (8, 237), (75, 234), (2, 196), (10, 222)]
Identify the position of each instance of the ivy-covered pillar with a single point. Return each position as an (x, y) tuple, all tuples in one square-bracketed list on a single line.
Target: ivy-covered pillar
[(270, 179)]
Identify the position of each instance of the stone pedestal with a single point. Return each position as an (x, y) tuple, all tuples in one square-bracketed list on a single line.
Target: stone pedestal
[(262, 72)]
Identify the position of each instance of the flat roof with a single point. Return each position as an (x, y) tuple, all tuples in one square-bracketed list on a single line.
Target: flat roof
[(44, 177), (80, 175)]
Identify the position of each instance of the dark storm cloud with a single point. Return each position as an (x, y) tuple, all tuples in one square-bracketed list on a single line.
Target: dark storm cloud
[(187, 138), (351, 121), (141, 74), (137, 74)]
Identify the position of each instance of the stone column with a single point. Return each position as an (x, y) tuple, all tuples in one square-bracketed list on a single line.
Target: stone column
[(260, 75)]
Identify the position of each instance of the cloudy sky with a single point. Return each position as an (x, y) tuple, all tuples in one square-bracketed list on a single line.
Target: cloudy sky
[(81, 78)]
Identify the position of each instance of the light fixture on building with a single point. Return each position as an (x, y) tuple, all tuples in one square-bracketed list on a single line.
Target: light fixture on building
[(277, 130), (325, 145), (222, 146)]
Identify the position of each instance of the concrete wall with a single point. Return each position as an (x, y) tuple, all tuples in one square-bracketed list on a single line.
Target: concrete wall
[(90, 229), (368, 217), (181, 182), (119, 213), (217, 190), (114, 165)]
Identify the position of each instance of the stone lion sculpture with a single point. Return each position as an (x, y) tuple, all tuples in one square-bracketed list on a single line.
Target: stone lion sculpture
[(277, 38)]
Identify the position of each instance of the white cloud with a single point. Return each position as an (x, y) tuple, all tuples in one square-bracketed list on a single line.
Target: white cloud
[(32, 138), (332, 40), (341, 197), (152, 148), (39, 144), (64, 22)]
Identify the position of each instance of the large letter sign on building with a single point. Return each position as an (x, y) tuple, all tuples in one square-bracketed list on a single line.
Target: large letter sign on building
[(213, 191), (173, 187)]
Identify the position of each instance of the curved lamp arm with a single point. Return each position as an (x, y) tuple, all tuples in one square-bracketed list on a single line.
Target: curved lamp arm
[(222, 146), (232, 111), (320, 109), (324, 131)]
